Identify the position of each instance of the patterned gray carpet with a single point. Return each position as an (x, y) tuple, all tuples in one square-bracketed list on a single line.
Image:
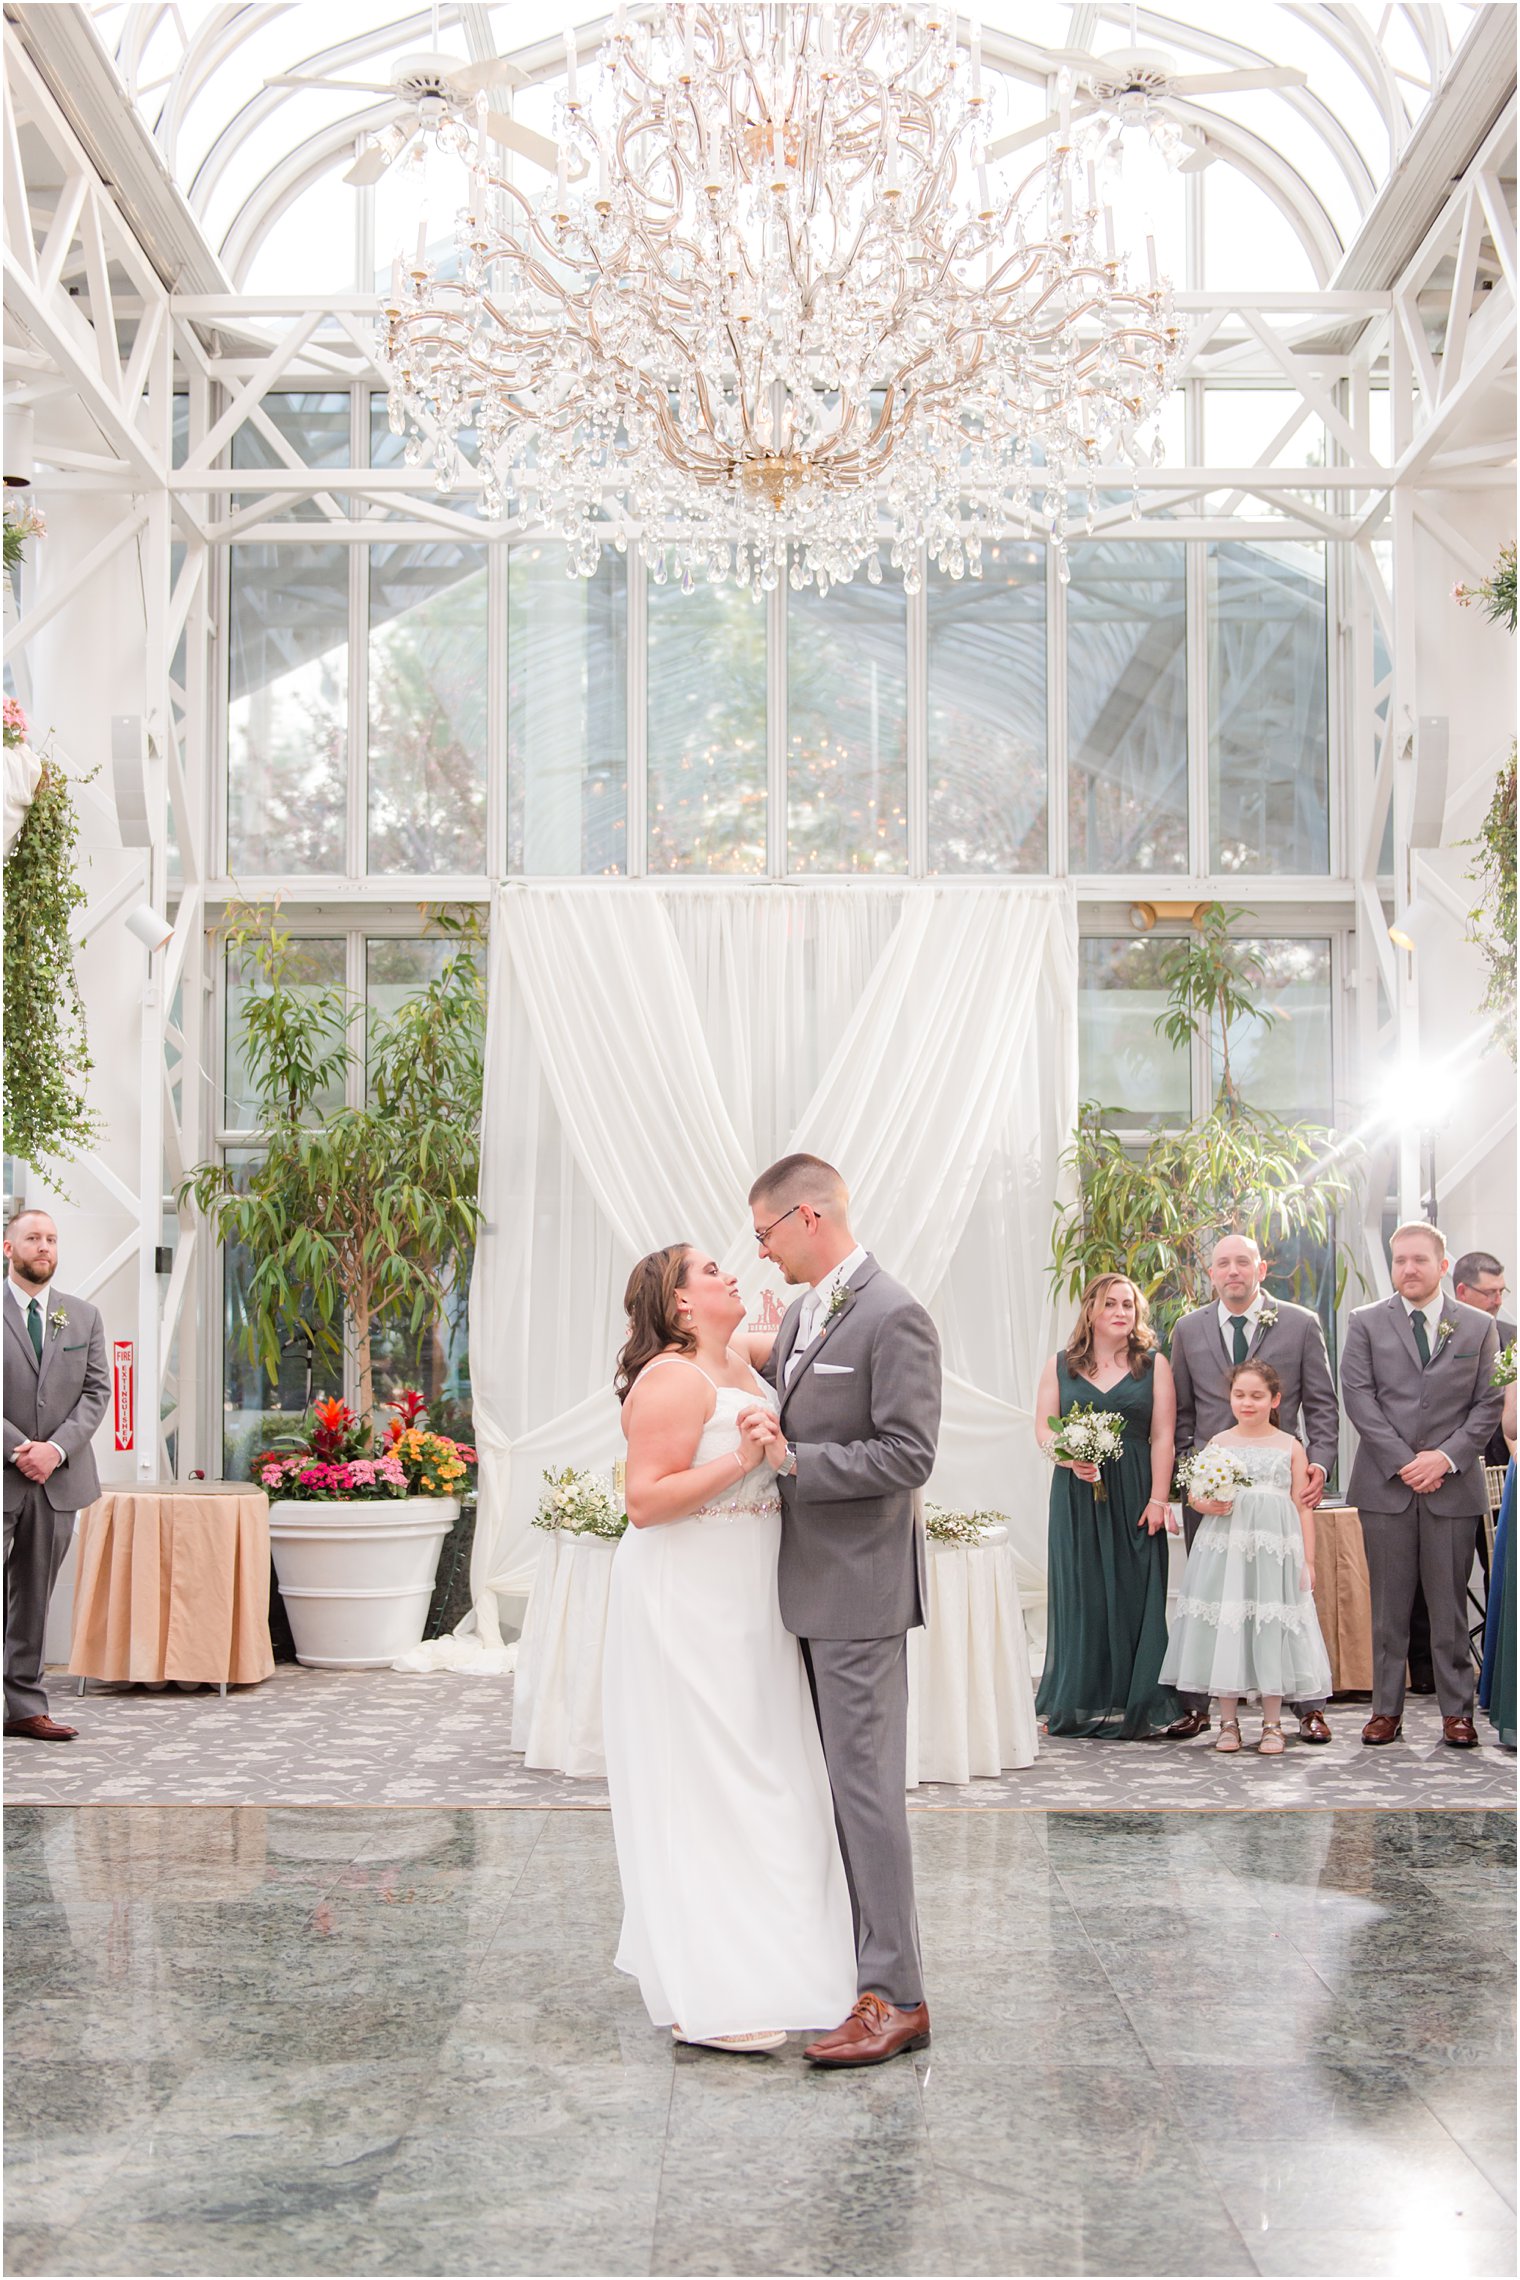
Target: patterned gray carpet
[(314, 1737)]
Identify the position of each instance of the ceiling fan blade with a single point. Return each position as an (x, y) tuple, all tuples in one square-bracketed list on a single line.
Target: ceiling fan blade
[(1007, 143), (526, 141), (495, 72), (1235, 82), (368, 167), (299, 79)]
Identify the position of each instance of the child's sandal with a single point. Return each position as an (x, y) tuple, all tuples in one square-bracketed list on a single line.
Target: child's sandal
[(1229, 1736), (1271, 1743)]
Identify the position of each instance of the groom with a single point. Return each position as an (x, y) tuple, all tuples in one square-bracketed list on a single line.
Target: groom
[(856, 1366)]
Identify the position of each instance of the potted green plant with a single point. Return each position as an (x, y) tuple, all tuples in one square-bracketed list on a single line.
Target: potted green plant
[(1155, 1213), (1492, 921), (47, 1055), (355, 1529), (357, 1217)]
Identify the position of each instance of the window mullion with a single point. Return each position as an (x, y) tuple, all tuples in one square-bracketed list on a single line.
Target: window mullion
[(775, 732), (1057, 727), (917, 725), (636, 725)]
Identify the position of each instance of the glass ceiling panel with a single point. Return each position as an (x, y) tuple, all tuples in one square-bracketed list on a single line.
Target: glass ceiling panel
[(262, 164)]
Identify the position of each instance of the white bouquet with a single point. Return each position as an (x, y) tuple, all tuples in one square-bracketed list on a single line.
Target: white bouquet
[(943, 1526), (1087, 1435), (1212, 1474), (581, 1503)]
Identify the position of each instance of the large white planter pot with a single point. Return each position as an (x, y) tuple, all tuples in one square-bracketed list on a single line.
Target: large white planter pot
[(356, 1578)]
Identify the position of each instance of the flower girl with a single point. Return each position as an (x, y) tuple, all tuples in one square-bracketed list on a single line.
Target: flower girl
[(1246, 1622)]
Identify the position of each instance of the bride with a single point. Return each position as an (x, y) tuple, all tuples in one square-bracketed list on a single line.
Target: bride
[(736, 1919)]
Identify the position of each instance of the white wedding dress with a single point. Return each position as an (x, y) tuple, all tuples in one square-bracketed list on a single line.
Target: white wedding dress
[(736, 1915)]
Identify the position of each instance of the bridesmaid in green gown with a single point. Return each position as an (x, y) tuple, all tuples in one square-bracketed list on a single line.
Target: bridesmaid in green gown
[(1106, 1613)]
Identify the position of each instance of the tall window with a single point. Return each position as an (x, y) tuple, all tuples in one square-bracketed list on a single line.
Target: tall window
[(1126, 1066), (1126, 707), (847, 727), (986, 671), (707, 775), (287, 714), (567, 758), (1269, 738), (427, 708)]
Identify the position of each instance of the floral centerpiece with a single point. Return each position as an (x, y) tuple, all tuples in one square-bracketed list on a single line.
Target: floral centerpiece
[(1212, 1474), (946, 1527), (1086, 1435), (21, 523), (580, 1503)]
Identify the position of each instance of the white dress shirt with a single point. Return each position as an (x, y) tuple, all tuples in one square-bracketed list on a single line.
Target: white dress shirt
[(1432, 1313), (1250, 1317), (24, 1299), (816, 1305)]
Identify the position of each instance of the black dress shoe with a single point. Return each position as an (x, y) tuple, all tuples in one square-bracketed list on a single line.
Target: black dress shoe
[(1190, 1723)]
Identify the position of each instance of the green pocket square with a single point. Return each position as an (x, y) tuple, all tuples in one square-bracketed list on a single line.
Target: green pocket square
[(83, 1347)]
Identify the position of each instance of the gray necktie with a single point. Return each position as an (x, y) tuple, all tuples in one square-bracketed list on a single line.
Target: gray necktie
[(34, 1327)]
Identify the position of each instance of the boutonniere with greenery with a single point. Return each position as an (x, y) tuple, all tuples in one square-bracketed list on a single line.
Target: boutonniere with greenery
[(58, 1321), (1267, 1318), (1444, 1330), (838, 1302)]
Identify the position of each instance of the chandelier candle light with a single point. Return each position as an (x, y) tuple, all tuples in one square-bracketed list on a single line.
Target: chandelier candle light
[(774, 312)]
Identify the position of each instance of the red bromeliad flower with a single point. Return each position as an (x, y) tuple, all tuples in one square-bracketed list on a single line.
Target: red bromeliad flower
[(334, 1426), (409, 1407)]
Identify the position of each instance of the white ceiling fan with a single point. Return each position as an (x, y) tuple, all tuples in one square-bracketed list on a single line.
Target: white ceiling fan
[(438, 86), (1135, 78)]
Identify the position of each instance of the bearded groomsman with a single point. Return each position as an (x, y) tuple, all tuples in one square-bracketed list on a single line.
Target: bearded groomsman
[(56, 1392), (1244, 1324), (1417, 1376)]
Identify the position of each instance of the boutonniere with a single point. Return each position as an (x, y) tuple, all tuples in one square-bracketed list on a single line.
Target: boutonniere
[(838, 1302), (58, 1321), (1444, 1329), (1267, 1318)]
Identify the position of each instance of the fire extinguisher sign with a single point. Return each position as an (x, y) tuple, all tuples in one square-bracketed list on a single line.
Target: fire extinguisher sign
[(121, 1377)]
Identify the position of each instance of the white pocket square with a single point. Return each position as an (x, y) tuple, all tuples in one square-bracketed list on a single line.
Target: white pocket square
[(835, 1369)]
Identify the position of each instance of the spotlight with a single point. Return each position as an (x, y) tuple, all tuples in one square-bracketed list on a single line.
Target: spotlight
[(1142, 917), (1408, 932), (150, 927)]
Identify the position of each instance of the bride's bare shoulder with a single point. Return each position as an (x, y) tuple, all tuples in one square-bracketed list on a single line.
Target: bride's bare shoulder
[(660, 1394)]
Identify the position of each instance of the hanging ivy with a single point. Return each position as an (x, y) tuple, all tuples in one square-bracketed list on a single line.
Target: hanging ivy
[(47, 1055), (1493, 919)]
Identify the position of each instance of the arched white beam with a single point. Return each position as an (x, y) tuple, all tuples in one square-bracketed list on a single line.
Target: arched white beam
[(257, 217), (208, 48)]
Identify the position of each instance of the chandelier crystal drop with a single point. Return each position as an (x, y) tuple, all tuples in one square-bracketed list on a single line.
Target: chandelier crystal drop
[(773, 316)]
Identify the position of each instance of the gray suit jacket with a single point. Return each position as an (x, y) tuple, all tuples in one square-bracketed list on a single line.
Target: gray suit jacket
[(862, 1411), (1294, 1345), (62, 1398), (1400, 1406)]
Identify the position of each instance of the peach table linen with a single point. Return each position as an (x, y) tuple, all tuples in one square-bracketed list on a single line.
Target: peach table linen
[(1343, 1597), (172, 1582)]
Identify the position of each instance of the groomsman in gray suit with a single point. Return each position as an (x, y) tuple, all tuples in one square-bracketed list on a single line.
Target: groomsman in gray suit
[(1244, 1324), (1416, 1375), (856, 1365), (56, 1392)]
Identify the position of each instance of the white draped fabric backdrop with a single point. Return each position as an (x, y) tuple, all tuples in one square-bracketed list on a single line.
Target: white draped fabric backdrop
[(651, 1047)]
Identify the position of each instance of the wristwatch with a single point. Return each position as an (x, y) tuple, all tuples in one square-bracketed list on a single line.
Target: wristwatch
[(789, 1469)]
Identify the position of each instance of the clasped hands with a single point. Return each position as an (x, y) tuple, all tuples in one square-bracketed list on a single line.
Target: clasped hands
[(1425, 1472), (36, 1460), (762, 1440)]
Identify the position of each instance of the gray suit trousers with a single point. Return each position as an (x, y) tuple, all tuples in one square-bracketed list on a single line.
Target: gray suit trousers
[(860, 1692), (1436, 1550), (36, 1539), (1191, 1523)]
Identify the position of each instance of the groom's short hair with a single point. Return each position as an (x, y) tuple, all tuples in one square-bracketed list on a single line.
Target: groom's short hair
[(801, 1179)]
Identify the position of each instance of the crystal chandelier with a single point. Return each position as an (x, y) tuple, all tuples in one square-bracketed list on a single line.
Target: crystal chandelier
[(773, 316)]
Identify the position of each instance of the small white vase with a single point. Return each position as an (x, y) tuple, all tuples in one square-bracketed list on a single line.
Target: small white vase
[(357, 1576)]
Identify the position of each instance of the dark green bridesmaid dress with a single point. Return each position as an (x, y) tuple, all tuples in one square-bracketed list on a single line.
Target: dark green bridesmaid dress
[(1106, 1613)]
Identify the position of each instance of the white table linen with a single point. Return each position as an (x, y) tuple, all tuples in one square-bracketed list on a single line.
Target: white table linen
[(970, 1693)]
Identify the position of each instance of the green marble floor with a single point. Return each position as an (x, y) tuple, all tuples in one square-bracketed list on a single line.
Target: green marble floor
[(242, 2040)]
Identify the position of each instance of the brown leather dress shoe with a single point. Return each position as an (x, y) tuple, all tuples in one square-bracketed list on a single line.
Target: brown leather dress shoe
[(875, 2030), (42, 1728), (1382, 1729), (1190, 1723), (1312, 1727), (1459, 1733)]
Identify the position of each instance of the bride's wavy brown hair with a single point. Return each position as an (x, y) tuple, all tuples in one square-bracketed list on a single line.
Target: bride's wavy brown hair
[(654, 1325), (1142, 1339)]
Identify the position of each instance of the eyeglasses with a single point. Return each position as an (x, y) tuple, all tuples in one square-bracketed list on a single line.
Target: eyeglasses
[(764, 1234)]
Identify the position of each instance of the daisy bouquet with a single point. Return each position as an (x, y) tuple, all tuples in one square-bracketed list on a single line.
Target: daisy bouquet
[(1086, 1435), (1212, 1474)]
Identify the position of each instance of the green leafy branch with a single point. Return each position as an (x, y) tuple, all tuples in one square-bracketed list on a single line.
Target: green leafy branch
[(47, 1053)]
